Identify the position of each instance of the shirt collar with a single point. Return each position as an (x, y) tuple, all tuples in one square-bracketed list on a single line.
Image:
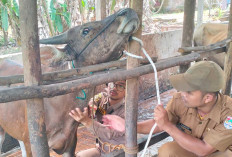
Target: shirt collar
[(119, 104), (115, 106)]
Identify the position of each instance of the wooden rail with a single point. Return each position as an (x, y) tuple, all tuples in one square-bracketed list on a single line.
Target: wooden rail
[(56, 77), (46, 91)]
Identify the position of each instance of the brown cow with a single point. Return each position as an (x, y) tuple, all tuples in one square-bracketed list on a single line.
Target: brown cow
[(60, 127), (210, 33)]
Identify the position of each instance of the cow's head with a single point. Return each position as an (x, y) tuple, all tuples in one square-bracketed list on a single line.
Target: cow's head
[(98, 41)]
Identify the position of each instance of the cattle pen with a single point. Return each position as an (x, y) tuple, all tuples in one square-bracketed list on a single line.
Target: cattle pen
[(37, 85)]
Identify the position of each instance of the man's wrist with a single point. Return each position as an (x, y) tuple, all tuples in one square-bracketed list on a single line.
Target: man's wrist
[(168, 127)]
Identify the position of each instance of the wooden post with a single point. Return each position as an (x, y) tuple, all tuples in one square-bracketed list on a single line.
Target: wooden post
[(132, 87), (228, 62), (188, 27), (32, 76), (100, 9)]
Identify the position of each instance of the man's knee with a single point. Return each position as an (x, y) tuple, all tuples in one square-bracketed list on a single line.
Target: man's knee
[(167, 150), (172, 149)]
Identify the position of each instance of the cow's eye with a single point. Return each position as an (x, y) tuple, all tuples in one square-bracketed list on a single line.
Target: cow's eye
[(85, 31)]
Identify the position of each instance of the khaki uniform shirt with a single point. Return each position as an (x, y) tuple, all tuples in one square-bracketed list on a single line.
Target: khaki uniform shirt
[(216, 127), (104, 133)]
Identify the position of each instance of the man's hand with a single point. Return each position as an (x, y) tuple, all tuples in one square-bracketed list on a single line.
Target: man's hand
[(114, 122), (161, 117), (80, 116)]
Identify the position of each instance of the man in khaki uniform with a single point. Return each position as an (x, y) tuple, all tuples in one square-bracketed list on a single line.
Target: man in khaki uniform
[(198, 117), (109, 102)]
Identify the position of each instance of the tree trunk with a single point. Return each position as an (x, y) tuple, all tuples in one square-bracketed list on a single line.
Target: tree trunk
[(200, 9), (5, 34), (14, 22), (100, 9), (48, 19)]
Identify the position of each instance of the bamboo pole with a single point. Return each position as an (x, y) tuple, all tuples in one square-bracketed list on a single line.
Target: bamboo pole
[(188, 27), (32, 74)]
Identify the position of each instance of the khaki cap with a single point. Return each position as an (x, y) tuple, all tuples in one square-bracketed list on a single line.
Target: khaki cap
[(204, 76)]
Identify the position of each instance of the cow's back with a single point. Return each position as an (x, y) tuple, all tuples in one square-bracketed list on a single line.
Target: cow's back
[(210, 33), (9, 67)]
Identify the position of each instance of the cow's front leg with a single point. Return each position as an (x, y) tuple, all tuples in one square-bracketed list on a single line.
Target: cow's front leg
[(27, 146), (72, 146), (2, 138)]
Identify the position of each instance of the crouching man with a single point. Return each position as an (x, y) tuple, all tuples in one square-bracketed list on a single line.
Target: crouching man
[(198, 117), (109, 102)]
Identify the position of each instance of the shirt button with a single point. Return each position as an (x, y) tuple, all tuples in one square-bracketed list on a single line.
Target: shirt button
[(200, 123)]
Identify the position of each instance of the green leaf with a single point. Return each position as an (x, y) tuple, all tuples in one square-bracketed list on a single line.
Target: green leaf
[(4, 18), (58, 23), (67, 18), (52, 10), (84, 3), (4, 2), (113, 5), (15, 7)]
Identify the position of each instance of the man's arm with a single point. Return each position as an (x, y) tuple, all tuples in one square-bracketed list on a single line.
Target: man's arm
[(117, 123), (188, 142), (144, 127)]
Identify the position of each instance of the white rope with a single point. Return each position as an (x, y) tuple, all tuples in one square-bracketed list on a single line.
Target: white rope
[(154, 68), (132, 55), (157, 88)]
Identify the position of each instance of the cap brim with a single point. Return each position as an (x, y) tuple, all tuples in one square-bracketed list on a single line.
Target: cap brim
[(180, 83)]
